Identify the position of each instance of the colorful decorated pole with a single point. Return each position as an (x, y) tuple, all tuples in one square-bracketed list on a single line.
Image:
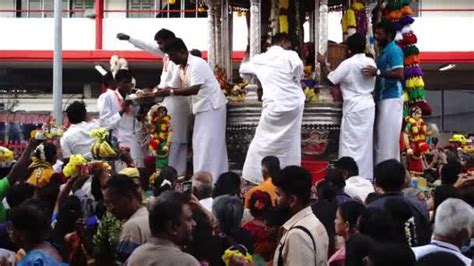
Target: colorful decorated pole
[(211, 51), (399, 13)]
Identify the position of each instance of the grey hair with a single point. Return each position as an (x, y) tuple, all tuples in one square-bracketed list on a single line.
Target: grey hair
[(203, 188), (228, 210), (453, 216)]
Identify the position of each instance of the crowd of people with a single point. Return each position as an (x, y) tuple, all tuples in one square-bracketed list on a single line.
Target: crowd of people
[(102, 217)]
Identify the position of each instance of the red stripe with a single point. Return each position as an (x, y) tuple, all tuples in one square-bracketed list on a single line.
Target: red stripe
[(139, 56)]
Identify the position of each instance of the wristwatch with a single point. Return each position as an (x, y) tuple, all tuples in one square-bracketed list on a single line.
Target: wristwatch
[(378, 73), (171, 92)]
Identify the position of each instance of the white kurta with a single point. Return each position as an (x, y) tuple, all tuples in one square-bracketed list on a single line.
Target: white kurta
[(179, 108), (279, 129), (358, 112), (125, 128), (209, 107), (76, 139)]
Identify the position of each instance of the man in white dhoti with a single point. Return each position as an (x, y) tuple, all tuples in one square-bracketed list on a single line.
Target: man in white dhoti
[(358, 109), (279, 129), (118, 115), (388, 94), (179, 107), (208, 106)]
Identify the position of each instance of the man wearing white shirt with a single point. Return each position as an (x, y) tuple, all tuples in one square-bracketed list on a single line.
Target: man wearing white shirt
[(179, 107), (357, 187), (279, 130), (118, 115), (454, 222), (358, 109), (76, 139), (208, 106)]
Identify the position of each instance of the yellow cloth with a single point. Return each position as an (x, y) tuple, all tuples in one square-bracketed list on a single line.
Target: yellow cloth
[(266, 186), (40, 176)]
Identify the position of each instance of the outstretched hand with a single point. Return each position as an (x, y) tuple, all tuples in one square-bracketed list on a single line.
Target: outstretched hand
[(123, 37)]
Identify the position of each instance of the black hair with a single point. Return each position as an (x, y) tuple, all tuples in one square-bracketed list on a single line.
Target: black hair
[(31, 218), (108, 79), (467, 194), (227, 184), (264, 203), (167, 173), (373, 196), (440, 258), (336, 178), (167, 208), (123, 75), (76, 112), (387, 27), (403, 222), (348, 164), (280, 37), (376, 223), (390, 175), (49, 192), (50, 151), (326, 191), (294, 180), (351, 211), (69, 212), (391, 254), (356, 43), (175, 45), (443, 193), (196, 52), (450, 172), (164, 34), (124, 186), (272, 163), (19, 193)]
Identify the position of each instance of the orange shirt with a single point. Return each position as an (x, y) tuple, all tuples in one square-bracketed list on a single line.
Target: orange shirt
[(266, 186)]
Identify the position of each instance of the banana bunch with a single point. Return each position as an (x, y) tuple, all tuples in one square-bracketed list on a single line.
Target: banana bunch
[(310, 95), (101, 148)]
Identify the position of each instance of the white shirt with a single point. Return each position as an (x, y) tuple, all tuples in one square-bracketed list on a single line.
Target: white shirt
[(439, 246), (198, 72), (123, 127), (280, 72), (355, 87), (76, 139), (179, 107), (207, 203), (358, 187)]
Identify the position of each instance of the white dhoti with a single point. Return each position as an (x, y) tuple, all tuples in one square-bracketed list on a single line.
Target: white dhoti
[(278, 134), (388, 127), (356, 139), (209, 145), (179, 109)]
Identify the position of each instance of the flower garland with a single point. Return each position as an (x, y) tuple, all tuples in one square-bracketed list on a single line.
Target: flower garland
[(283, 6), (160, 131), (399, 14), (72, 167), (354, 20)]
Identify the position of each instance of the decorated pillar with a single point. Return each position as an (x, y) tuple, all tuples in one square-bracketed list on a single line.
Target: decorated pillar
[(255, 34), (255, 44), (316, 18), (211, 51), (218, 33), (323, 26)]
